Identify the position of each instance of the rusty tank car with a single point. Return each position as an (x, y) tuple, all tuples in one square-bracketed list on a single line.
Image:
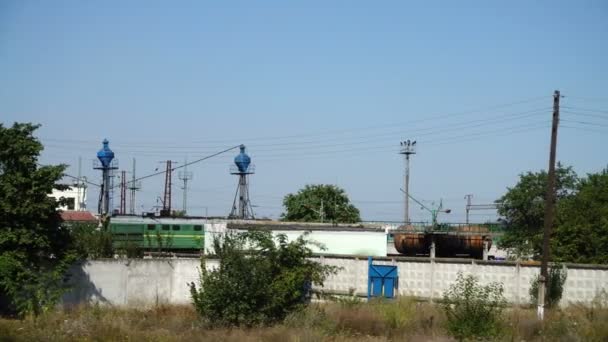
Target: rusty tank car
[(461, 242)]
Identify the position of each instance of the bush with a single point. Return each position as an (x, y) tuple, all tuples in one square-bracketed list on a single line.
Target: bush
[(472, 309), (258, 281), (555, 286)]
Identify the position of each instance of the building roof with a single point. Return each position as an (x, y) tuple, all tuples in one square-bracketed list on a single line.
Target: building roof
[(80, 216)]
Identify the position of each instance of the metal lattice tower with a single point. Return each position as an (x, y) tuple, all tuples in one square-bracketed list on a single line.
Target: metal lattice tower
[(185, 176), (123, 192), (166, 211), (134, 185), (407, 148), (241, 207)]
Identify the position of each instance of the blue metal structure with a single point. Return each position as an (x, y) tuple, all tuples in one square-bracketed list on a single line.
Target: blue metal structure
[(242, 160), (241, 207), (382, 280), (106, 164)]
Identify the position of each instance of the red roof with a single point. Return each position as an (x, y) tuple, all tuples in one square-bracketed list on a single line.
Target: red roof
[(81, 216)]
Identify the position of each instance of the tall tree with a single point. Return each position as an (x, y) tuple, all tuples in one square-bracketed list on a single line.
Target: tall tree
[(34, 247), (320, 202), (582, 231), (523, 208)]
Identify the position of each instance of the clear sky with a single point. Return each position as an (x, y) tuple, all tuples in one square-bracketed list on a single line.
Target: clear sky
[(319, 91)]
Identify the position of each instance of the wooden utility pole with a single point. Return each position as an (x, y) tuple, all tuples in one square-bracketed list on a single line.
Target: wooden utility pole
[(549, 211)]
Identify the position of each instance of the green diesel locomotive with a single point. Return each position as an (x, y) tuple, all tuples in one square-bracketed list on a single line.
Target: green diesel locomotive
[(154, 233)]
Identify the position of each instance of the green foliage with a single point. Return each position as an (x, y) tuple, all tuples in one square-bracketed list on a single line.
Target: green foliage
[(320, 202), (258, 281), (91, 242), (473, 310), (582, 232), (523, 209), (34, 246), (555, 286)]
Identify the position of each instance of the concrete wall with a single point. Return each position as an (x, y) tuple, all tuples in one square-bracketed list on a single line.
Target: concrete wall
[(154, 281)]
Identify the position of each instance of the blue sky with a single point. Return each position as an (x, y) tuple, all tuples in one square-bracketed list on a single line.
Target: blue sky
[(319, 91)]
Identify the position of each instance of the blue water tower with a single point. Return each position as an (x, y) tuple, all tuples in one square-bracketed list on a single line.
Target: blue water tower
[(106, 164), (241, 207)]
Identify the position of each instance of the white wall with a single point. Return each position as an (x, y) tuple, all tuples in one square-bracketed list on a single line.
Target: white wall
[(153, 281), (337, 242)]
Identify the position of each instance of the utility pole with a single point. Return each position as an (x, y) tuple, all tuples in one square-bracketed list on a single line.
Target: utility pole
[(185, 176), (123, 192), (407, 148), (468, 207), (549, 210), (133, 187)]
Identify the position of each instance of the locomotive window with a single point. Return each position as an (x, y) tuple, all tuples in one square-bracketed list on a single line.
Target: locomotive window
[(198, 228), (176, 227), (165, 227), (151, 226)]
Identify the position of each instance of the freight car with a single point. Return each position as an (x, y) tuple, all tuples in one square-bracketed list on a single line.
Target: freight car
[(158, 233), (462, 241)]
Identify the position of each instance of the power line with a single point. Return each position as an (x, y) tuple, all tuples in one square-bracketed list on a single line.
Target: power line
[(186, 164), (595, 124), (333, 132), (587, 109), (599, 116)]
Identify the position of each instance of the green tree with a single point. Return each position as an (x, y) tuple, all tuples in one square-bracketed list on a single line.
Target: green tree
[(258, 280), (582, 232), (523, 209), (320, 202), (34, 247)]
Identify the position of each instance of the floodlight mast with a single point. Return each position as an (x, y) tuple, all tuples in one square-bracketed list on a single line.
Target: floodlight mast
[(407, 148)]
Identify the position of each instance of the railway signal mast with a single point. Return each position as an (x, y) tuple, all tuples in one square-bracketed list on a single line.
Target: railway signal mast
[(407, 148)]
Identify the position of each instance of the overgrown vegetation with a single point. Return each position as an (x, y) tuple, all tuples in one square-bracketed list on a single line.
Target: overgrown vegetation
[(90, 242), (403, 319), (472, 309), (258, 281), (555, 286)]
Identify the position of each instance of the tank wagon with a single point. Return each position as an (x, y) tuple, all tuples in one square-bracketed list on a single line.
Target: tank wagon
[(168, 233), (457, 242)]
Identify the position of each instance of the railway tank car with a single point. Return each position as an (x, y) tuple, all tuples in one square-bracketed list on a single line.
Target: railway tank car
[(462, 241)]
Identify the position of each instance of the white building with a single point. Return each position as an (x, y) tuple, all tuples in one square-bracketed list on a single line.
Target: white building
[(76, 196)]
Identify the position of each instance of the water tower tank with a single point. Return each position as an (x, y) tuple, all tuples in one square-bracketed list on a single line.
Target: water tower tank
[(242, 160), (105, 155)]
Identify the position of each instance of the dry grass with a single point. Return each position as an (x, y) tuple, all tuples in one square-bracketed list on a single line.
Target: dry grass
[(399, 320)]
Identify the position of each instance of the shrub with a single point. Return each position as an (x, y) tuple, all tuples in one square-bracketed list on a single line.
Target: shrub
[(472, 309), (257, 281), (555, 286)]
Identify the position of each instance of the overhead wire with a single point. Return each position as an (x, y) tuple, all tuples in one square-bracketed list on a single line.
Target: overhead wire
[(183, 165), (333, 132)]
